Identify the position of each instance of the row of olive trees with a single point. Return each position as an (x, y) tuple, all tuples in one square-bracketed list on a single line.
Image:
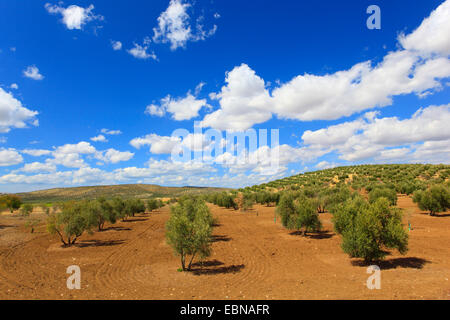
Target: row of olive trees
[(189, 230), (368, 228), (72, 219), (223, 199)]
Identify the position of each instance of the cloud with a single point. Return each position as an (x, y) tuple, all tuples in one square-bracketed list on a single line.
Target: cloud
[(140, 51), (244, 101), (382, 138), (99, 138), (74, 17), (158, 144), (432, 152), (325, 165), (174, 26), (13, 114), (32, 72), (181, 109), (9, 157), (14, 86), (432, 36), (111, 132), (114, 156), (116, 45), (38, 167), (71, 155), (418, 67), (37, 152)]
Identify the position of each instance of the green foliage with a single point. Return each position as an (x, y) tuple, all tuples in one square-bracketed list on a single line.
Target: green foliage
[(435, 199), (119, 208), (26, 210), (99, 212), (10, 202), (298, 213), (189, 231), (154, 204), (224, 200), (383, 192), (286, 209), (306, 217), (368, 229), (134, 206), (70, 223)]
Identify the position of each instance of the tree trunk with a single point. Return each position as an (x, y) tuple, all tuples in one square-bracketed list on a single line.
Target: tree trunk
[(190, 263), (183, 266)]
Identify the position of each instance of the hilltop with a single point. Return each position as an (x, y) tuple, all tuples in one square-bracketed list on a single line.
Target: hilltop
[(405, 178), (141, 191)]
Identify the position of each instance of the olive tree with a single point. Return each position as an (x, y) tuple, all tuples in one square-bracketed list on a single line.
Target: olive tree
[(383, 192), (153, 204), (11, 202), (99, 212), (368, 229), (298, 213), (435, 199), (70, 222), (189, 231), (26, 210)]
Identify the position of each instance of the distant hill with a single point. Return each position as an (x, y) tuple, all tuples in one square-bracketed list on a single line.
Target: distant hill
[(405, 178), (141, 191)]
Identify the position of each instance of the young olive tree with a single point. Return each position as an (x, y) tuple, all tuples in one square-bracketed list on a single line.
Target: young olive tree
[(26, 210), (119, 208), (382, 192), (11, 202), (99, 212), (298, 213), (189, 231), (435, 200), (70, 223), (368, 229), (153, 204)]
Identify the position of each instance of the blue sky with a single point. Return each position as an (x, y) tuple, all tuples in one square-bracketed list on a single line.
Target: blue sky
[(91, 92)]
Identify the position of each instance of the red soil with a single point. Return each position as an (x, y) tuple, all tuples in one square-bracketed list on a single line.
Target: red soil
[(253, 258)]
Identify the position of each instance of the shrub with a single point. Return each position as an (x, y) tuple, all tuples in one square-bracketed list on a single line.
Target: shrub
[(189, 231), (69, 223), (10, 202), (26, 210), (133, 207), (298, 213), (381, 192), (435, 200), (368, 229), (119, 208), (99, 212), (306, 216), (152, 204), (286, 209)]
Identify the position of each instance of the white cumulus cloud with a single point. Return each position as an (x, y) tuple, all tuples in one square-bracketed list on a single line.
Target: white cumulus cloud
[(32, 72), (13, 114), (74, 17)]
